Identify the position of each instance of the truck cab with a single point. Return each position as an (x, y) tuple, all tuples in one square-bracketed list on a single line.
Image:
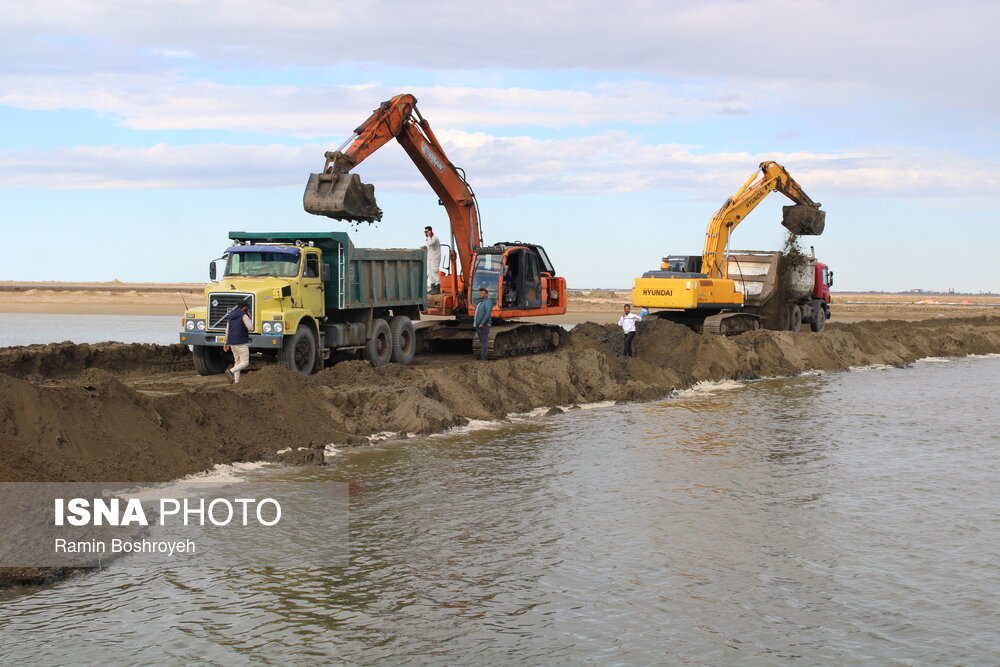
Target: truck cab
[(823, 283)]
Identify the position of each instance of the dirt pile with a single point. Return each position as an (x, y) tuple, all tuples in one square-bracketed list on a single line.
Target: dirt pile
[(67, 360), (107, 413), (115, 412)]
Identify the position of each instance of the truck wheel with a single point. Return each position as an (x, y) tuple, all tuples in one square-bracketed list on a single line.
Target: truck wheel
[(819, 321), (299, 353), (378, 351), (209, 360), (404, 339), (794, 317)]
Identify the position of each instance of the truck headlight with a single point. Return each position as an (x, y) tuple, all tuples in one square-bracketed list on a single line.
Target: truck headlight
[(278, 327), (266, 327), (201, 325), (189, 325)]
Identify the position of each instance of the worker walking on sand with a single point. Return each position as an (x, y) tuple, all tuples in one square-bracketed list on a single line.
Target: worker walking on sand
[(433, 260), (483, 321), (238, 328), (627, 323)]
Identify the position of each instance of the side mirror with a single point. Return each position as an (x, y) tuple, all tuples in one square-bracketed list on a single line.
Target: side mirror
[(830, 284), (211, 271), (325, 271)]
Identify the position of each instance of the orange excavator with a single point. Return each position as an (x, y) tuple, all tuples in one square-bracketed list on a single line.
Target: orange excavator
[(518, 276)]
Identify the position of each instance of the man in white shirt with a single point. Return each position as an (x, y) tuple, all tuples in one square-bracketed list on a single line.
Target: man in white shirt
[(433, 260), (627, 323)]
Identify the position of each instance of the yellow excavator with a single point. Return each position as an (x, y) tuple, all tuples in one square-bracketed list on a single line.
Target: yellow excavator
[(700, 291)]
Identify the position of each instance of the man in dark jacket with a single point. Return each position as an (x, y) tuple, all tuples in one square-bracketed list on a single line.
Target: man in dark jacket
[(483, 321), (238, 327)]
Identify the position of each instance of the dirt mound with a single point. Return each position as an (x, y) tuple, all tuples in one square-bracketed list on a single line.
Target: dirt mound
[(68, 359), (102, 412)]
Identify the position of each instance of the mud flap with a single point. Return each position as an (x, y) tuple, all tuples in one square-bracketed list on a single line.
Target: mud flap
[(341, 197), (803, 220)]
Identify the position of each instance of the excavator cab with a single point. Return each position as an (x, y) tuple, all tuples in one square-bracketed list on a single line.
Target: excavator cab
[(684, 266), (514, 275)]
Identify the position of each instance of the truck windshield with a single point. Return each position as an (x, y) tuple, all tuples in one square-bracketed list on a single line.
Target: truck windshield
[(246, 264)]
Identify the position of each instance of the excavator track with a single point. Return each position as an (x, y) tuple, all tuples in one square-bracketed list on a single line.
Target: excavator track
[(507, 339), (730, 324), (719, 324), (512, 339)]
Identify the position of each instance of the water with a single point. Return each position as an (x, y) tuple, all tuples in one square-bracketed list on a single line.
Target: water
[(846, 518), (31, 328)]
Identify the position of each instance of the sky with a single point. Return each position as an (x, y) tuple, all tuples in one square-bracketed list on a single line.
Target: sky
[(134, 135)]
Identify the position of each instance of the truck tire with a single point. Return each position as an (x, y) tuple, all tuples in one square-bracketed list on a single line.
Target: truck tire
[(299, 353), (378, 351), (819, 320), (794, 317), (209, 360), (404, 339)]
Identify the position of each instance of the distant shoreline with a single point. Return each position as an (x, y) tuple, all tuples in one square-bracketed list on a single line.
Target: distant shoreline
[(599, 305)]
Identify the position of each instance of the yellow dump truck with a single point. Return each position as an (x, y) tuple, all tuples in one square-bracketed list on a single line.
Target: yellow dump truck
[(310, 294)]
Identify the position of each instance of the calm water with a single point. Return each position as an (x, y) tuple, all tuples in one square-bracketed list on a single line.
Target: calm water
[(31, 328), (847, 518)]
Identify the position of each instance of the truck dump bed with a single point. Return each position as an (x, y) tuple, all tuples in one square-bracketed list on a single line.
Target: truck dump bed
[(359, 277), (756, 275)]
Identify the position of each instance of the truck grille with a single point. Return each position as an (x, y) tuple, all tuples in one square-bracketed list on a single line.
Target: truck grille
[(221, 303)]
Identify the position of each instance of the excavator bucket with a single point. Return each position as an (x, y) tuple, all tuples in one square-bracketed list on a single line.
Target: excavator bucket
[(803, 220), (341, 197)]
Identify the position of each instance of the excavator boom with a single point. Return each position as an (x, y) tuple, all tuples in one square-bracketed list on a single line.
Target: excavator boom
[(338, 194), (804, 218), (518, 277)]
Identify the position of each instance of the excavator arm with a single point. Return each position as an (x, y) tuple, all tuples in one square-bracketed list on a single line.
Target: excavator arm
[(338, 194), (804, 218)]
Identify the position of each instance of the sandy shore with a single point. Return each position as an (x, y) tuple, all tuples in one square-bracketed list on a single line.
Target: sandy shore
[(584, 305)]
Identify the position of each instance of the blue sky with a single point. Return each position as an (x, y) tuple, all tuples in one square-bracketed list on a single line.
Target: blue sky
[(136, 135)]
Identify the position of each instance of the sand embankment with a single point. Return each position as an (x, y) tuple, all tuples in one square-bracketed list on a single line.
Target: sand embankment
[(117, 412)]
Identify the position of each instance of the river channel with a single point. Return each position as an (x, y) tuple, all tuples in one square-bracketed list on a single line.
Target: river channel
[(842, 518)]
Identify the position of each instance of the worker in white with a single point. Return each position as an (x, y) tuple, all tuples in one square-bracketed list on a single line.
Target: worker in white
[(433, 260), (627, 323)]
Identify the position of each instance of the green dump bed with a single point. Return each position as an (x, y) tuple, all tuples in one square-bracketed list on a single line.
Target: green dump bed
[(359, 277)]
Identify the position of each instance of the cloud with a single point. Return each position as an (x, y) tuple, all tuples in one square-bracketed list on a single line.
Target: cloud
[(511, 166), (915, 48), (158, 102)]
